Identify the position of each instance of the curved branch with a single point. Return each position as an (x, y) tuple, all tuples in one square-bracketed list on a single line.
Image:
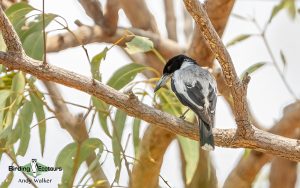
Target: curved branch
[(246, 170), (88, 34), (170, 19), (218, 13), (93, 9), (258, 140), (10, 36)]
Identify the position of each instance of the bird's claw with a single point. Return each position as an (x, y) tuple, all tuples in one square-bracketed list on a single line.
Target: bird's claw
[(182, 117)]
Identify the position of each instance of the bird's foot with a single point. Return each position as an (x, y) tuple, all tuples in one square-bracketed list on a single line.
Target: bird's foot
[(182, 117)]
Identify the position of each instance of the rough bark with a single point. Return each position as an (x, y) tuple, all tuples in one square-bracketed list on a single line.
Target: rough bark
[(218, 12), (258, 140), (246, 170)]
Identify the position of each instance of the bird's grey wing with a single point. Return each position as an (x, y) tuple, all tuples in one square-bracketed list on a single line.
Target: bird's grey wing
[(212, 97), (201, 90), (196, 94)]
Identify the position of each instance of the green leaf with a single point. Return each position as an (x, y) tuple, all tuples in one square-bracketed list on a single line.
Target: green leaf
[(4, 95), (38, 108), (283, 59), (68, 155), (32, 38), (95, 66), (136, 134), (190, 150), (246, 153), (23, 127), (284, 4), (238, 16), (252, 69), (103, 110), (291, 7), (139, 45), (7, 181), (276, 10), (169, 102), (89, 146), (18, 85), (90, 169), (65, 160), (15, 8), (29, 31), (125, 74), (118, 127), (17, 88), (237, 39)]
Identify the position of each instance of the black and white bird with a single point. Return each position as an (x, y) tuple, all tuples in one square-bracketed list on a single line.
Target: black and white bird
[(195, 88)]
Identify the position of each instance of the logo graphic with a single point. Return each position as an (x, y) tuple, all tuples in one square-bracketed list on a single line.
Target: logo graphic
[(34, 169)]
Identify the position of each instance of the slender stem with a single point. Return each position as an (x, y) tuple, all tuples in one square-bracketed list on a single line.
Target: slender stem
[(278, 69), (44, 34), (263, 36), (159, 56), (121, 148), (52, 117)]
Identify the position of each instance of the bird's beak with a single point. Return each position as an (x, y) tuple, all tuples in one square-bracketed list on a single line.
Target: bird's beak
[(162, 81)]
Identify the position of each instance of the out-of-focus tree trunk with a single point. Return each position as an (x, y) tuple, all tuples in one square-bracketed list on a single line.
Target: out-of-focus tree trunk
[(151, 150), (283, 173)]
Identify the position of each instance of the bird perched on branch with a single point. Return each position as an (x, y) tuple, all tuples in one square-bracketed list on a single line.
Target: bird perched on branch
[(195, 88)]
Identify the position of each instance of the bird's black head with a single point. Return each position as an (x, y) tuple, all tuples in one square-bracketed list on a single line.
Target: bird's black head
[(175, 63), (172, 65)]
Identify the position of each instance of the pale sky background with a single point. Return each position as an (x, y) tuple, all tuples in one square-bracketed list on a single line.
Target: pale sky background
[(266, 93)]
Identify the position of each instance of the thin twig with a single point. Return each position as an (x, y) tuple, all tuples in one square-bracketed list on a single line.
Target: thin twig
[(268, 47), (44, 35), (121, 147)]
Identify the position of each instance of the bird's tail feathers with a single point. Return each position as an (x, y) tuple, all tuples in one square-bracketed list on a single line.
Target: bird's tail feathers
[(206, 136)]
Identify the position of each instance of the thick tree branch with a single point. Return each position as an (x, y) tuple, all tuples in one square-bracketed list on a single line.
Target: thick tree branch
[(111, 16), (170, 20), (205, 175), (139, 15), (150, 156), (93, 9), (87, 35), (218, 13), (283, 173), (246, 170), (238, 88), (10, 36), (258, 140)]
